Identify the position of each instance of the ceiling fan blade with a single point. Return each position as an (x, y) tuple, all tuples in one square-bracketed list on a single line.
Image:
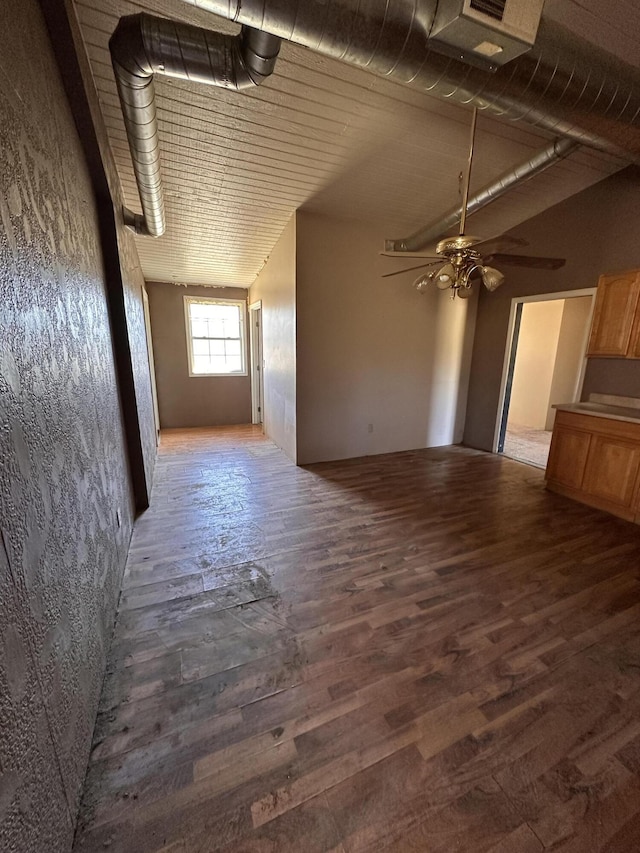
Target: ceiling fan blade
[(526, 261), (411, 269), (499, 244), (408, 255)]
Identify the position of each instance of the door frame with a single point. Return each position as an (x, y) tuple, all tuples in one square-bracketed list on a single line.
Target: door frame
[(257, 362), (151, 360), (513, 328)]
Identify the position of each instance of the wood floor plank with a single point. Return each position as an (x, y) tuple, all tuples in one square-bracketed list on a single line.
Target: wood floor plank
[(423, 651)]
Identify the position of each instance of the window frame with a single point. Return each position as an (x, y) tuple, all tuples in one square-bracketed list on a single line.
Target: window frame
[(242, 309)]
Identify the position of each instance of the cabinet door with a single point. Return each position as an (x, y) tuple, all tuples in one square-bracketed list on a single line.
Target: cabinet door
[(634, 346), (612, 470), (614, 314), (568, 456)]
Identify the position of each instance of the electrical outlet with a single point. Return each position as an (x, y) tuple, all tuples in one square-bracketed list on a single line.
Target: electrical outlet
[(370, 428)]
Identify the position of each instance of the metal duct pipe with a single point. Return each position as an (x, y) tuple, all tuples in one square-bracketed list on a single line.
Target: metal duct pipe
[(142, 46), (563, 84), (556, 150)]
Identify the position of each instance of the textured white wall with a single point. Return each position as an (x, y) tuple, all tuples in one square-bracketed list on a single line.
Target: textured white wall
[(276, 287)]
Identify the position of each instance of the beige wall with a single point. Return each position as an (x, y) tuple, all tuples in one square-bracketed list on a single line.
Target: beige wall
[(183, 400), (597, 231), (275, 286), (535, 362), (572, 341), (373, 351)]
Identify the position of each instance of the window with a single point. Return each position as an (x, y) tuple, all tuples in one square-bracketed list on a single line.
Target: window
[(215, 336)]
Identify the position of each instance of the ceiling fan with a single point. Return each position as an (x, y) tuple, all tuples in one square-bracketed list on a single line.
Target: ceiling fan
[(466, 259)]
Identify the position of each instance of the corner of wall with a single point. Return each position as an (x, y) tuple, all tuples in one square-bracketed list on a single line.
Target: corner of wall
[(276, 287)]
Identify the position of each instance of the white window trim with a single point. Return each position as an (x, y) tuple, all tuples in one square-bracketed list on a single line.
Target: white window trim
[(242, 305)]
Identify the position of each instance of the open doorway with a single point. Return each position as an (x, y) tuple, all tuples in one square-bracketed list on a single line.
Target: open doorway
[(257, 364), (544, 365)]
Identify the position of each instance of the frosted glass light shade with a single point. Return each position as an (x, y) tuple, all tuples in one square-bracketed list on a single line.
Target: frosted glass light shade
[(492, 278), (424, 282), (444, 277)]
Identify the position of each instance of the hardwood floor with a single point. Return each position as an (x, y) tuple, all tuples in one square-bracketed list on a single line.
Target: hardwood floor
[(423, 651)]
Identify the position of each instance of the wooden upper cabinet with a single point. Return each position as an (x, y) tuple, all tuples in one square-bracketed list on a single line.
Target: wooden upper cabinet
[(616, 324)]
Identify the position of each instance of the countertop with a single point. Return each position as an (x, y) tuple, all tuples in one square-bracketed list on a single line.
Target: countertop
[(601, 410)]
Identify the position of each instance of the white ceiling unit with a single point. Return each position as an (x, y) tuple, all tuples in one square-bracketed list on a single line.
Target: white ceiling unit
[(486, 32)]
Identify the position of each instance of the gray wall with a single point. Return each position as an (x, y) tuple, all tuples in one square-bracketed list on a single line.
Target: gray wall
[(597, 231), (63, 472), (183, 400)]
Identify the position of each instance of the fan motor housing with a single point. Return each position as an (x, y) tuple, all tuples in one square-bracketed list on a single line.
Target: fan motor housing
[(488, 33)]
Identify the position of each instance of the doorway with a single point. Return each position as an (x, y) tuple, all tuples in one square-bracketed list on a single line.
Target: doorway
[(544, 365), (257, 363)]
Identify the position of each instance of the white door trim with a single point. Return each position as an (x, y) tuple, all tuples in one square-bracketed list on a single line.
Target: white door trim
[(538, 297), (257, 365)]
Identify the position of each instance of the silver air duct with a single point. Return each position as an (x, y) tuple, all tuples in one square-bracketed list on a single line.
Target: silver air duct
[(142, 46), (556, 150), (563, 84)]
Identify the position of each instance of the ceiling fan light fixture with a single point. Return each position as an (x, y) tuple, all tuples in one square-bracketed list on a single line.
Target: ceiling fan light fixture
[(445, 277), (462, 253), (424, 282), (492, 278)]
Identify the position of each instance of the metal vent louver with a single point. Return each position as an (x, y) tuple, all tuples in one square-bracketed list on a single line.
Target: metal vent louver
[(493, 8)]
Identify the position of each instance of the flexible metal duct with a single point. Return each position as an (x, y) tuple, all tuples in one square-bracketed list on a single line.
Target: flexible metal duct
[(563, 84), (547, 156), (142, 46)]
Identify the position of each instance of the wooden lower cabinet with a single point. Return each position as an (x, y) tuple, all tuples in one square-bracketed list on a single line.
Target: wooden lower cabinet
[(568, 456), (612, 470), (596, 461)]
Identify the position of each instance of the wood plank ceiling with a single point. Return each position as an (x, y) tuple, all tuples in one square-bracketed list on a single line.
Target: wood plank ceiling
[(319, 135)]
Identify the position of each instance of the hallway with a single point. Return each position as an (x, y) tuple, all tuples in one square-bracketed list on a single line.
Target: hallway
[(527, 445), (422, 651)]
